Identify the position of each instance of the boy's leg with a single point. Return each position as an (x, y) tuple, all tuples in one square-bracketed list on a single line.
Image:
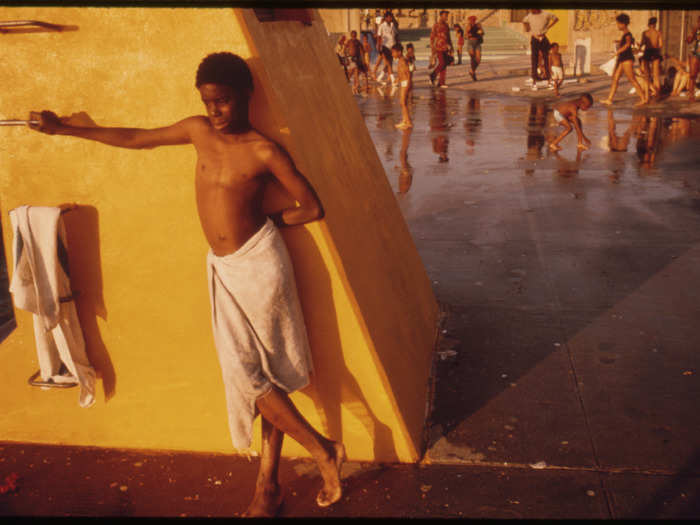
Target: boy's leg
[(472, 63), (268, 496), (628, 68), (613, 86), (692, 75), (554, 145), (656, 75), (583, 143), (278, 409)]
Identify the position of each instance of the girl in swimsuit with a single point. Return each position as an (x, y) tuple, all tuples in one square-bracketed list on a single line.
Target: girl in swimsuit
[(475, 37), (625, 62)]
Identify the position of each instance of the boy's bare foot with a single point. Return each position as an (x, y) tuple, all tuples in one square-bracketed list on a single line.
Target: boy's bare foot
[(266, 502), (330, 472), (583, 146), (606, 101), (554, 147), (640, 103)]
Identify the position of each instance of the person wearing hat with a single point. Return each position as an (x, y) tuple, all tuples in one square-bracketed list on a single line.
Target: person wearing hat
[(475, 36), (441, 45)]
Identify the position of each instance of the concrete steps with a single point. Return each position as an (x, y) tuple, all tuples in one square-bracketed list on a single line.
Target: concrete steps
[(497, 41)]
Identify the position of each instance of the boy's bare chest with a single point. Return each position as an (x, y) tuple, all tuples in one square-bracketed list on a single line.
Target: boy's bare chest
[(226, 168)]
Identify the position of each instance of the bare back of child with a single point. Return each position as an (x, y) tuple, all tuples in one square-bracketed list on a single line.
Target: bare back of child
[(566, 115)]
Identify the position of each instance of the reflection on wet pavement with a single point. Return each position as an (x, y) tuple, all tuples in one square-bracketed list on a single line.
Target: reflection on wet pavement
[(543, 260), (472, 138)]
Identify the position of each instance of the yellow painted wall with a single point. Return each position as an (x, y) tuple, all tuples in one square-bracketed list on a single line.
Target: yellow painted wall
[(137, 253), (559, 33)]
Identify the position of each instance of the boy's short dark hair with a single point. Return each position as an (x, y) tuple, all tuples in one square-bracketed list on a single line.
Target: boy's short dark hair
[(397, 46), (409, 46), (652, 21), (554, 44), (353, 33), (444, 11), (588, 97), (623, 18), (226, 69)]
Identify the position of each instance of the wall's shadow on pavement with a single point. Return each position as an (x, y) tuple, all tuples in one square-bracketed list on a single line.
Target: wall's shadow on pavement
[(508, 324)]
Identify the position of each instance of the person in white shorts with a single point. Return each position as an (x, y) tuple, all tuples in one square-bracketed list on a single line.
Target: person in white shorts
[(556, 67), (406, 83)]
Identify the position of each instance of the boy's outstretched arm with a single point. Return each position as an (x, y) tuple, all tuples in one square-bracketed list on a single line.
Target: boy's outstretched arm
[(134, 138), (282, 168), (579, 130)]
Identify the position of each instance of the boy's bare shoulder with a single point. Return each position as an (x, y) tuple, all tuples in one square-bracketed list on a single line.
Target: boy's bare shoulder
[(265, 148), (197, 123)]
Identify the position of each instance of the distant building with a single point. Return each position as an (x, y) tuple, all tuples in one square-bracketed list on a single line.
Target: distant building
[(574, 24)]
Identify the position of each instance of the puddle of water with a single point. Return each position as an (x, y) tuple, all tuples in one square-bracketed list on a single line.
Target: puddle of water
[(470, 145)]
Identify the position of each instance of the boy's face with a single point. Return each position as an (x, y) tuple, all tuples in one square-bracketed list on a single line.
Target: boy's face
[(620, 26), (395, 53), (222, 104), (555, 49), (585, 104)]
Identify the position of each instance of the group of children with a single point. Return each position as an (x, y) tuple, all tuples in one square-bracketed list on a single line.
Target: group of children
[(354, 55)]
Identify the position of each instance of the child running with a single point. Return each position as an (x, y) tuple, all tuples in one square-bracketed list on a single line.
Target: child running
[(355, 62), (556, 66), (406, 83), (566, 114)]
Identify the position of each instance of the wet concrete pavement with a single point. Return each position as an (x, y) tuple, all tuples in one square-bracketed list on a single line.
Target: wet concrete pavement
[(567, 371)]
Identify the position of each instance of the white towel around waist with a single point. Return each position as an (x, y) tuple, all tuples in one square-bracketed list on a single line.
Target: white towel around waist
[(258, 326)]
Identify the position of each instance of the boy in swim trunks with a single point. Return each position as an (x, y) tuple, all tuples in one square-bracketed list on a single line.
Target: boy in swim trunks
[(406, 83), (411, 57), (566, 115), (366, 52), (652, 42), (235, 164), (356, 64), (556, 66)]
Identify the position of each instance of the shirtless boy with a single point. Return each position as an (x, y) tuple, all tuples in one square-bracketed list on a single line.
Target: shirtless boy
[(556, 66), (235, 163), (406, 83), (566, 115), (411, 57), (356, 63), (651, 59), (366, 51)]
